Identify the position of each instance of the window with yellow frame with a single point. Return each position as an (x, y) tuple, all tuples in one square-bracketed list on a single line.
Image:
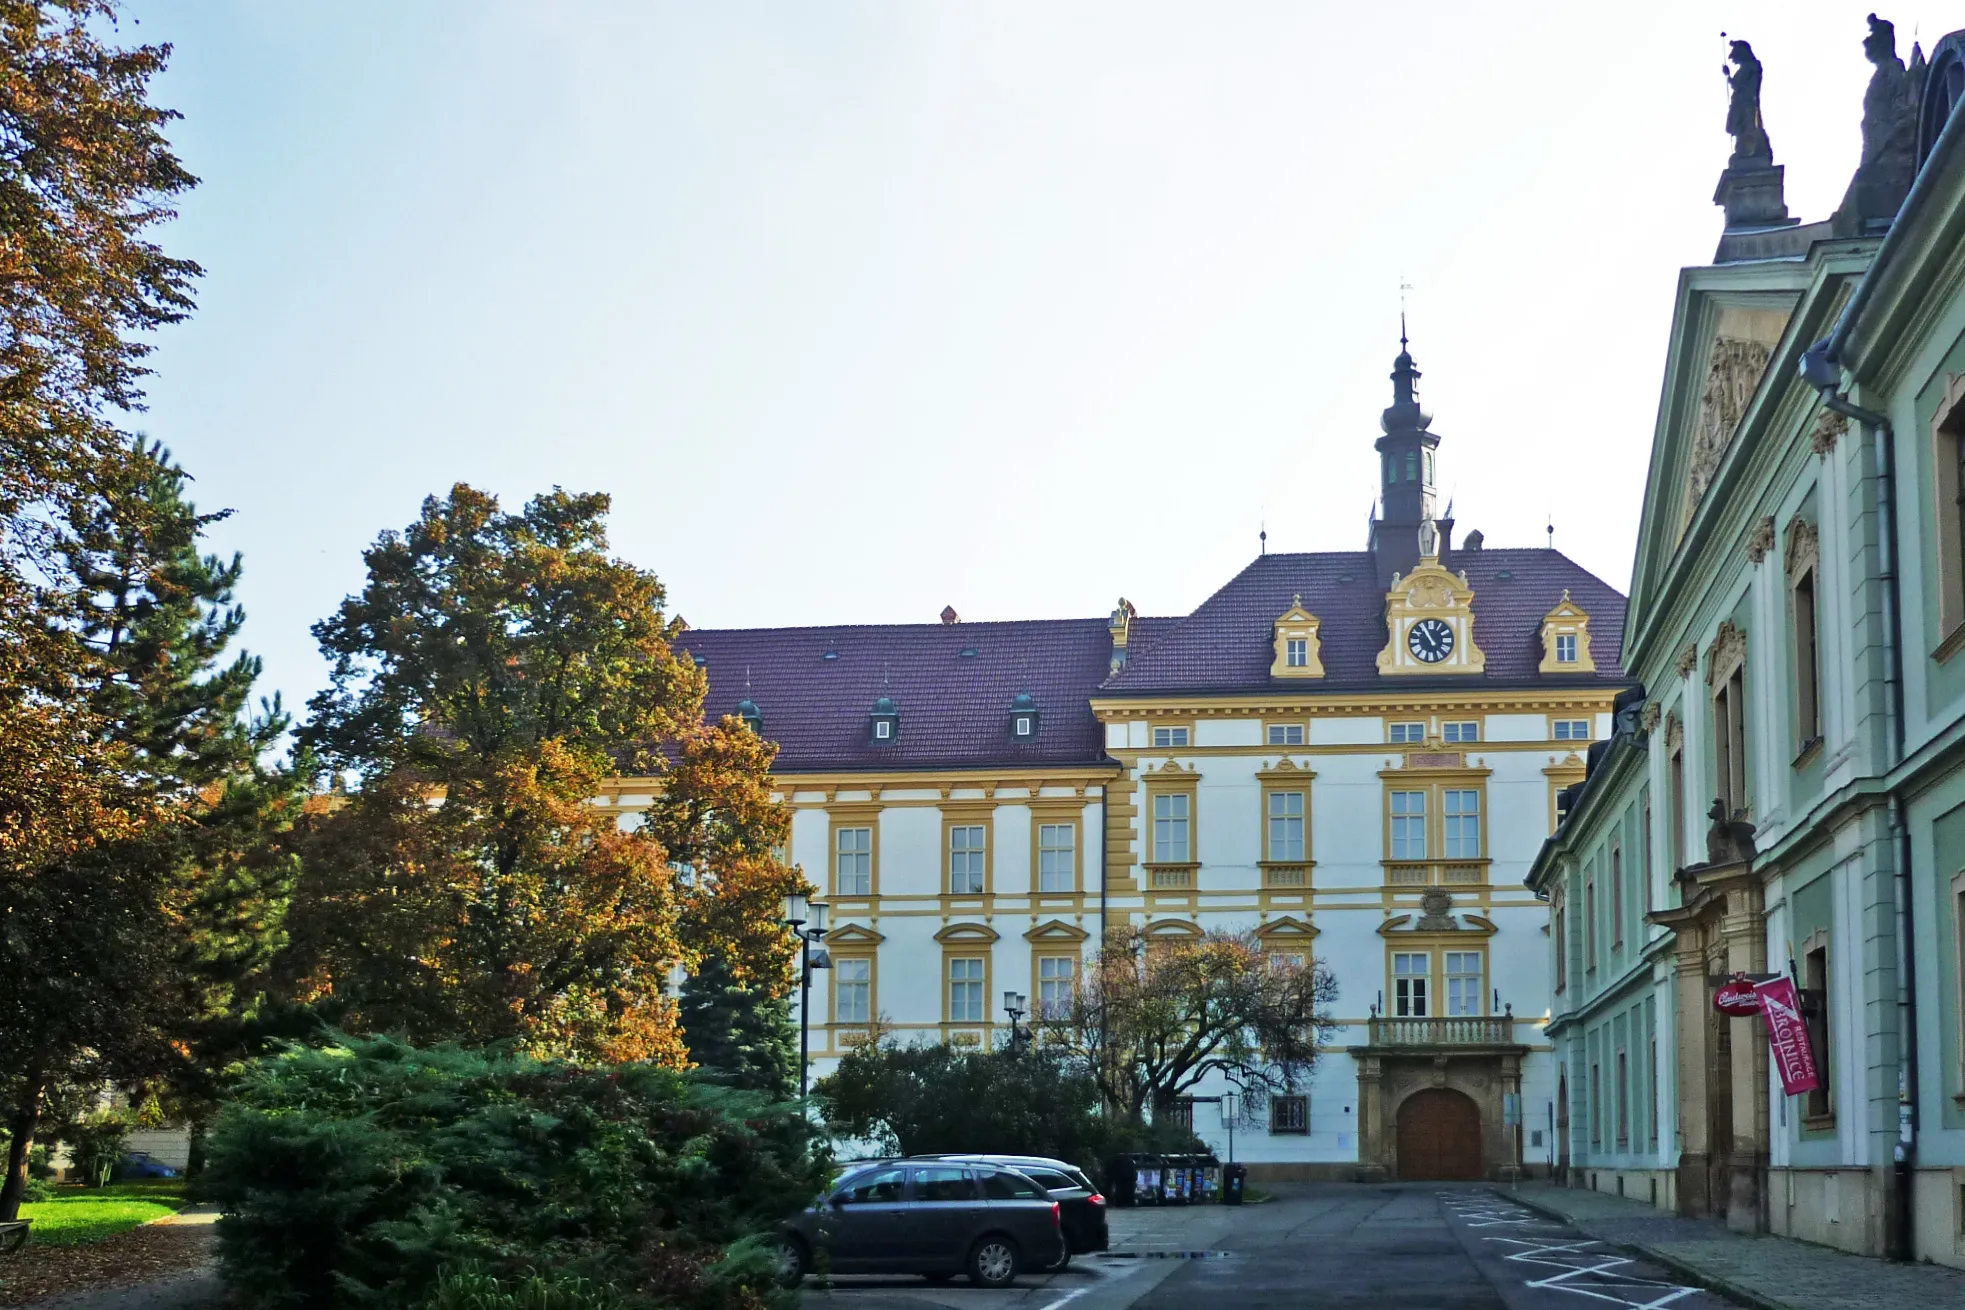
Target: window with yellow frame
[(1057, 849), (1170, 817), (1431, 979), (1436, 824), (968, 850), (854, 845), (1286, 851)]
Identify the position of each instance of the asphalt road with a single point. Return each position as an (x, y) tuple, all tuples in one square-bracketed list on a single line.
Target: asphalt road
[(1401, 1247)]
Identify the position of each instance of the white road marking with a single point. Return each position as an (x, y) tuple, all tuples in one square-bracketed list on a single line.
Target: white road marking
[(1599, 1274), (1068, 1296)]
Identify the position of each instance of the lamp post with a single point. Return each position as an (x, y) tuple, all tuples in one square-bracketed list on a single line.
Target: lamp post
[(807, 921), (1014, 1006)]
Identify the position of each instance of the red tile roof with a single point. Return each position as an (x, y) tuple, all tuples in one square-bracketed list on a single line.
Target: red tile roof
[(955, 707)]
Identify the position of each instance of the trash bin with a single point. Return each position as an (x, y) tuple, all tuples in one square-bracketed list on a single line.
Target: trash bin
[(1233, 1176)]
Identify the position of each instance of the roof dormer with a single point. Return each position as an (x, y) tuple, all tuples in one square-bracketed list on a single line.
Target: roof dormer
[(1024, 718), (1566, 639), (752, 716), (1299, 654), (884, 723)]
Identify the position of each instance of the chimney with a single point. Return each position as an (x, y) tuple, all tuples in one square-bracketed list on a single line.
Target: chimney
[(949, 615)]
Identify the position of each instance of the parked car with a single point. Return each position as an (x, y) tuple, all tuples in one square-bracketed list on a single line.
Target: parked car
[(139, 1164), (932, 1217), (1080, 1204)]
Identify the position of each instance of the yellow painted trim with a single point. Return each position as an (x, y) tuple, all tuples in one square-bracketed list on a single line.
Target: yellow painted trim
[(1430, 592), (1567, 619), (847, 817), (968, 814), (1296, 624), (1056, 812)]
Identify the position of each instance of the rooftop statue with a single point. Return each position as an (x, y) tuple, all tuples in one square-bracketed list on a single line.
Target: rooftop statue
[(1743, 111), (1750, 188), (1889, 160)]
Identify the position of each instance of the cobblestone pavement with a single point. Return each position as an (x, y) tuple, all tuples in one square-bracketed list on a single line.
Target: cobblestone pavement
[(1774, 1273)]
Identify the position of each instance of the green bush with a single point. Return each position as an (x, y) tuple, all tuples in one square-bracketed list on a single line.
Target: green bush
[(353, 1174), (96, 1145), (471, 1288)]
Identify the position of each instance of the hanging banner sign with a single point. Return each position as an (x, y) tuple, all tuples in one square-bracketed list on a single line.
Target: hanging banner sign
[(1787, 1036), (1736, 997)]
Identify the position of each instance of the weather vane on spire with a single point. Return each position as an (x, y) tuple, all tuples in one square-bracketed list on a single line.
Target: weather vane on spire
[(1404, 286)]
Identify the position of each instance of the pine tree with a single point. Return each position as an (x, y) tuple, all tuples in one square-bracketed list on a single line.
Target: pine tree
[(742, 1035), (117, 960)]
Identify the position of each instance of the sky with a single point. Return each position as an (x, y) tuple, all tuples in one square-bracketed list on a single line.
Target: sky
[(858, 310)]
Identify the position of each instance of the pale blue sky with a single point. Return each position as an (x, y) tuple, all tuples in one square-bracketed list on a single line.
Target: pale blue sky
[(863, 309)]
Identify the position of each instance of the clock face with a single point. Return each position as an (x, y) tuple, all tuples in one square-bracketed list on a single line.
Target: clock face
[(1430, 640)]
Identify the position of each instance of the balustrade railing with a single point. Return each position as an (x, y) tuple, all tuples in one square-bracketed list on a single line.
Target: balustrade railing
[(1465, 1030)]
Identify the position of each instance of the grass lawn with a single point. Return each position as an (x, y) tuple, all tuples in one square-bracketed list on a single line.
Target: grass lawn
[(89, 1214)]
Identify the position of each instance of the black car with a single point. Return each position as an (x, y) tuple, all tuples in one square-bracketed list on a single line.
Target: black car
[(1081, 1206), (932, 1217)]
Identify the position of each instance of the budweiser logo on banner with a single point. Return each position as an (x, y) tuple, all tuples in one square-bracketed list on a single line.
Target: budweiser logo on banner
[(1787, 1035)]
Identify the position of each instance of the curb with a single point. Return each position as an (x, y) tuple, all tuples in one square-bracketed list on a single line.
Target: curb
[(1690, 1272)]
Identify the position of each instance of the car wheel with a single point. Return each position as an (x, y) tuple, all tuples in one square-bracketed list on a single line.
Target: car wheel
[(993, 1262), (793, 1261)]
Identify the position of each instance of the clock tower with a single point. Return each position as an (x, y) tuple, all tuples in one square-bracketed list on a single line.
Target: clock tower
[(1407, 478)]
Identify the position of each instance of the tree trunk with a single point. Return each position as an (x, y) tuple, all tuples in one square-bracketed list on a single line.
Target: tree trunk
[(20, 1129), (194, 1160)]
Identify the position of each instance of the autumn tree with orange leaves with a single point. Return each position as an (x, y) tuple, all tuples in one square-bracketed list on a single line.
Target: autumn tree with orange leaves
[(494, 672)]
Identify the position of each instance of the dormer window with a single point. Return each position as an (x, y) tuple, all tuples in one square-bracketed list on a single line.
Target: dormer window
[(752, 716), (1024, 716), (885, 720), (1566, 639), (1297, 651)]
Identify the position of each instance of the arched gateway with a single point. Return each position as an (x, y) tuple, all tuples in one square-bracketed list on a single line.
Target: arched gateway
[(1439, 1136)]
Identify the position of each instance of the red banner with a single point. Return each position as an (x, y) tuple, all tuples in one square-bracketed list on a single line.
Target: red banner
[(1787, 1035)]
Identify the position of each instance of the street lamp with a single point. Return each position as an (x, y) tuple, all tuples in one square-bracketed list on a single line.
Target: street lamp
[(807, 921), (1014, 1006)]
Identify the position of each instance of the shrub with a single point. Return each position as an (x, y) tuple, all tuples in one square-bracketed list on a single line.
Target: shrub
[(353, 1174), (471, 1288), (96, 1145)]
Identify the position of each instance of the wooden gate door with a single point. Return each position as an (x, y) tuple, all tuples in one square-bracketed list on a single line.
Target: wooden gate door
[(1439, 1136)]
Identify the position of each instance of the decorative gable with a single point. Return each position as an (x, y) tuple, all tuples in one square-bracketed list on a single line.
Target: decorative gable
[(1429, 620), (1286, 932), (1299, 654), (1056, 930), (967, 934), (1566, 639), (855, 934)]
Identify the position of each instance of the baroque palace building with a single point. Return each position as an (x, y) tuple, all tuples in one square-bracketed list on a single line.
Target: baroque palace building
[(1790, 796), (1353, 754)]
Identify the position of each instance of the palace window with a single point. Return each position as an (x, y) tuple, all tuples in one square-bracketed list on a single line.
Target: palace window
[(1616, 896), (1408, 825), (1296, 652), (1807, 668), (1675, 816), (1572, 729), (1590, 925), (1948, 461), (1164, 737), (1623, 1101), (1285, 826), (1289, 1114), (1411, 972), (1412, 733), (852, 989), (965, 990), (1730, 739), (1461, 733), (966, 854), (1170, 829), (1566, 648), (1054, 977), (1651, 1119), (1815, 1015), (1057, 857), (1461, 811), (1285, 734), (1559, 934), (853, 872), (1464, 983), (1596, 1108)]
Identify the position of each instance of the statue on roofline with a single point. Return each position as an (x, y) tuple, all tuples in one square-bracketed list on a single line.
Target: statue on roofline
[(1743, 110)]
